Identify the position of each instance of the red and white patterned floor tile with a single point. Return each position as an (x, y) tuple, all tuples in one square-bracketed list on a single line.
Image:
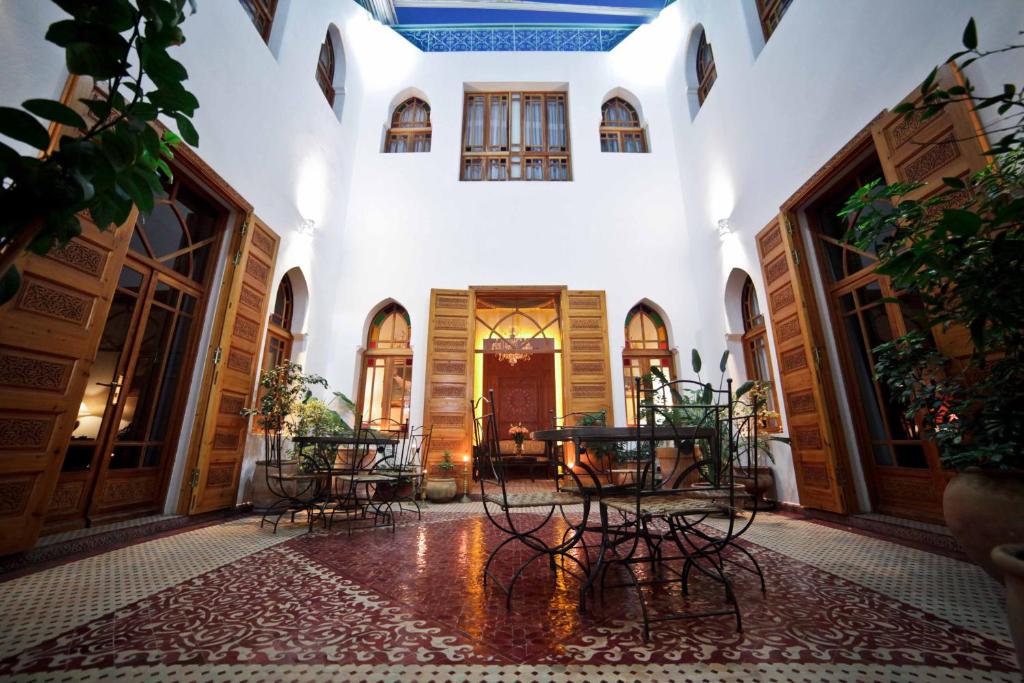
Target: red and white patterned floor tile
[(234, 602)]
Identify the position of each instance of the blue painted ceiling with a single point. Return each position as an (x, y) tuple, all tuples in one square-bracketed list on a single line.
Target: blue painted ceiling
[(514, 25)]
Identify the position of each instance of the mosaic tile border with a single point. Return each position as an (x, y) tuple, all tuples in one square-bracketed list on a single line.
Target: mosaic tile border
[(514, 38)]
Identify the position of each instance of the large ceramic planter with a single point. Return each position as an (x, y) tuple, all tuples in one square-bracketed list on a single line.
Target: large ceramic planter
[(671, 463), (1009, 559), (441, 489), (756, 481), (982, 510), (262, 495)]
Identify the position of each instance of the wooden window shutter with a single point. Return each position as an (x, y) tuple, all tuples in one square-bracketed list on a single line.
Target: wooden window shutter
[(49, 336), (449, 385), (585, 369), (218, 438), (947, 145), (818, 456)]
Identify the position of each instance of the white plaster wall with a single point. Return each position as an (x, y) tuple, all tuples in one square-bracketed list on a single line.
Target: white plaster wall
[(637, 226)]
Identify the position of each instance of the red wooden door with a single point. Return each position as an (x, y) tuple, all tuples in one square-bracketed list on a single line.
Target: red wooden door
[(523, 393)]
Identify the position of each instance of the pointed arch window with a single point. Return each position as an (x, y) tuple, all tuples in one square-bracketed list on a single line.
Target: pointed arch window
[(620, 127), (410, 127), (706, 73), (278, 347), (755, 348), (771, 13), (261, 12), (647, 354), (386, 383), (325, 69)]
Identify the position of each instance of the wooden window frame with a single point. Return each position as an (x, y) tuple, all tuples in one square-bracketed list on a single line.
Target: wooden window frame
[(267, 10), (770, 13), (325, 72), (706, 72), (392, 357), (620, 131), (549, 157), (409, 134), (755, 332)]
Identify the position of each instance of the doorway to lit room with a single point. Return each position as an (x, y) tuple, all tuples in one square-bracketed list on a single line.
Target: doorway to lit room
[(903, 472), (518, 358), (122, 448)]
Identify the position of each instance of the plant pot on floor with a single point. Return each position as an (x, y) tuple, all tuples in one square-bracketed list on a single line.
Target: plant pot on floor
[(757, 481), (1009, 559), (982, 510), (441, 489), (398, 491), (672, 462)]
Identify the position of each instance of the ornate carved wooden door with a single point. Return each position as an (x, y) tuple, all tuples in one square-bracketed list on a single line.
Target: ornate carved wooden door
[(818, 456), (449, 383), (219, 436), (48, 339), (524, 392), (587, 376)]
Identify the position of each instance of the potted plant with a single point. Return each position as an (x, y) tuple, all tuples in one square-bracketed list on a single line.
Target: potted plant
[(283, 391), (751, 468), (959, 253), (442, 488)]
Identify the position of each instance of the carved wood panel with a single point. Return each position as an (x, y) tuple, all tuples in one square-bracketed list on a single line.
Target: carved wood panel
[(585, 367), (816, 457), (218, 439), (449, 382), (49, 335)]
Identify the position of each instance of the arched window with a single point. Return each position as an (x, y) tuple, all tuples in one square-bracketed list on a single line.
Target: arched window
[(410, 127), (706, 73), (620, 127), (325, 69), (771, 12), (278, 348), (386, 384), (261, 12), (647, 354), (755, 347)]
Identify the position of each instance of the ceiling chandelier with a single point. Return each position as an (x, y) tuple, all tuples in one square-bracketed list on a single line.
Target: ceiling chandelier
[(514, 349)]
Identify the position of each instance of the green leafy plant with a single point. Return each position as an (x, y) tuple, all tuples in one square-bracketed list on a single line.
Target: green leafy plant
[(960, 253), (283, 389), (118, 159), (446, 465)]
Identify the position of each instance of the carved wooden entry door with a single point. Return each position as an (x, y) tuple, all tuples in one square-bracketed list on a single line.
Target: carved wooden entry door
[(523, 393)]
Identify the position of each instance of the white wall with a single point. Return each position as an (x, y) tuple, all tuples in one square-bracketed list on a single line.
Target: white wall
[(637, 226)]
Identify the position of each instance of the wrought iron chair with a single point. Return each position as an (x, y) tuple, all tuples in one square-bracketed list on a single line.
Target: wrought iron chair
[(360, 469), (405, 465), (296, 488), (665, 521), (504, 507)]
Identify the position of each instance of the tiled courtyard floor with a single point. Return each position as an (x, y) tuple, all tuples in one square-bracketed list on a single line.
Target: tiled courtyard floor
[(230, 601)]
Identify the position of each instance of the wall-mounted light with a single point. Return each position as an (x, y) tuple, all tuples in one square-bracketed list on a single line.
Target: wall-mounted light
[(724, 227), (307, 226)]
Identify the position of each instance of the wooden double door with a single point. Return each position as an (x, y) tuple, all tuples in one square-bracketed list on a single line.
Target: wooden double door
[(524, 393), (126, 433)]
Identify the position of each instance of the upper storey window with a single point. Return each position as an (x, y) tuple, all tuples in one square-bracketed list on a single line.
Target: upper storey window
[(325, 69), (706, 73), (515, 136), (410, 127), (620, 128), (262, 14), (771, 12)]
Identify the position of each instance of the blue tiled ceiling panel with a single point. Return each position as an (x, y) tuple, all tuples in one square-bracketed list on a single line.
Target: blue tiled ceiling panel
[(514, 25)]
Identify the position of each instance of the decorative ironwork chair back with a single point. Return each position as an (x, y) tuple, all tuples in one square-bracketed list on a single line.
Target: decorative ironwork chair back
[(684, 413)]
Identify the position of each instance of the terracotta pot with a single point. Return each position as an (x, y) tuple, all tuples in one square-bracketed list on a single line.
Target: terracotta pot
[(672, 465), (1009, 559), (756, 482), (389, 492), (982, 510), (262, 495), (441, 490)]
